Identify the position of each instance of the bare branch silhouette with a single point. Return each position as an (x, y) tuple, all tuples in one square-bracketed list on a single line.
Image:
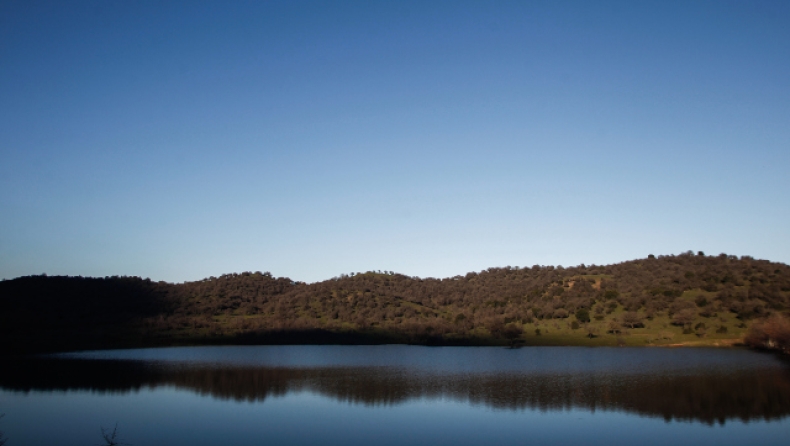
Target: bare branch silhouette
[(111, 437), (3, 440)]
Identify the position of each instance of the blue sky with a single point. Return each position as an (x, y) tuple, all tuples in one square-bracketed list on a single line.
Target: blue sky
[(180, 140)]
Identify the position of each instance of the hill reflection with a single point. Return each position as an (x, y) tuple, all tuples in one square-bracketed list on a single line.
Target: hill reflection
[(709, 397)]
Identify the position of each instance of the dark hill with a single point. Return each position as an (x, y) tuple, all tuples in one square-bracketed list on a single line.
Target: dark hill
[(655, 299)]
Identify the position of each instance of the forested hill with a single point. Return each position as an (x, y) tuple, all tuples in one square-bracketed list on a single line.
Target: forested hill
[(662, 299)]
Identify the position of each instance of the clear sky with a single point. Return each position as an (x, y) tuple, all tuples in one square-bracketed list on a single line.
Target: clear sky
[(183, 140)]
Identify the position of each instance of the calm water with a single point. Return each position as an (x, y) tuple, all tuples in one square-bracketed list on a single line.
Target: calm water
[(383, 395)]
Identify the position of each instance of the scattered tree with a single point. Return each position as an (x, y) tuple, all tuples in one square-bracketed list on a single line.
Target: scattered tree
[(632, 320), (684, 317), (512, 332)]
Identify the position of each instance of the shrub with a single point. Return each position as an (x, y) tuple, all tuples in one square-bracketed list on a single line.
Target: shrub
[(560, 313), (772, 333), (583, 315), (495, 326), (599, 312)]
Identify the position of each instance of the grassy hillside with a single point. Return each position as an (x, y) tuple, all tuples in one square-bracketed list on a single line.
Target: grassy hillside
[(689, 299)]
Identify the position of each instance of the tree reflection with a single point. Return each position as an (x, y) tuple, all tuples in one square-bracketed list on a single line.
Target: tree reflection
[(709, 397)]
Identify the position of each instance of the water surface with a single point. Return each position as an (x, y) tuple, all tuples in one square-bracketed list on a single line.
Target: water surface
[(398, 395)]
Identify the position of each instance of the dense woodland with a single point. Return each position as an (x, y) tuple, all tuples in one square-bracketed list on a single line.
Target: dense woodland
[(695, 294)]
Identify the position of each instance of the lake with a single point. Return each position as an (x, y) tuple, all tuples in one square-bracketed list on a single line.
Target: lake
[(394, 395)]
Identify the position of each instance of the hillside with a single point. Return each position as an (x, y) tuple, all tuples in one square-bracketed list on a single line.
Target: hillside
[(677, 299)]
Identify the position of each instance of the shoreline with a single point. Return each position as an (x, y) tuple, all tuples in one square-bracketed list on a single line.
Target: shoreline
[(357, 339)]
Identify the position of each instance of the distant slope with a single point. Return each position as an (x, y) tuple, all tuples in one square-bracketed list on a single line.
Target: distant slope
[(687, 299)]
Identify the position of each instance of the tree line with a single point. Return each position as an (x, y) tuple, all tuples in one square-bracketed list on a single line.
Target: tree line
[(44, 313)]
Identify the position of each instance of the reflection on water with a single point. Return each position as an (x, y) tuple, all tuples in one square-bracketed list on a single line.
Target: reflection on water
[(706, 386)]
